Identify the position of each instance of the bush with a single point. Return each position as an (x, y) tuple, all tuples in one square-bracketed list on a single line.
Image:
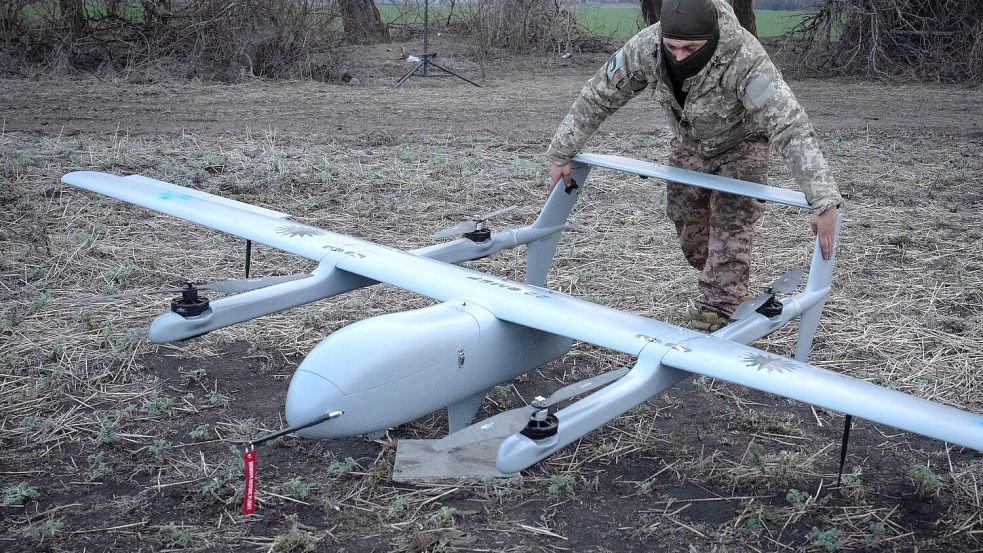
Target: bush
[(207, 39), (219, 40), (940, 40), (524, 26), (516, 26)]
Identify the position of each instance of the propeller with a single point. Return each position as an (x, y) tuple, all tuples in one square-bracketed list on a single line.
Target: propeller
[(507, 423), (786, 284), (233, 286), (465, 227)]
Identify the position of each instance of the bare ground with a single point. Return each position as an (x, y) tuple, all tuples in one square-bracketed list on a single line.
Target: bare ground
[(134, 446), (521, 97)]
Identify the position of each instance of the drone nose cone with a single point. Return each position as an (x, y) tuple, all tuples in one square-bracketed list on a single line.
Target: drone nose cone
[(309, 397)]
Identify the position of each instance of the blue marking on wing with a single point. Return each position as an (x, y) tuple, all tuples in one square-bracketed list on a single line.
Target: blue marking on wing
[(167, 196)]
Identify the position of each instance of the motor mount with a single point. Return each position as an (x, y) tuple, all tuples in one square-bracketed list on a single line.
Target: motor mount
[(771, 308), (478, 235), (540, 430), (542, 423), (190, 304)]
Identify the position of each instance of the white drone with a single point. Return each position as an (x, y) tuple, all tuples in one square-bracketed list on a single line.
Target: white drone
[(385, 371)]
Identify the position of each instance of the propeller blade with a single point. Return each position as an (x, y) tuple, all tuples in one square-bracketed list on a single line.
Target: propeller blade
[(463, 227), (496, 213), (507, 423), (128, 294), (247, 284), (494, 427), (586, 385), (221, 286), (751, 305), (787, 283)]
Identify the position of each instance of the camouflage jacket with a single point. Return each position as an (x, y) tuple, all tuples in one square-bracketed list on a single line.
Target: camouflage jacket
[(739, 94)]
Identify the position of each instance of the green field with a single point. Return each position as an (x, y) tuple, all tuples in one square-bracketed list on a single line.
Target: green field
[(403, 14), (774, 23), (619, 22)]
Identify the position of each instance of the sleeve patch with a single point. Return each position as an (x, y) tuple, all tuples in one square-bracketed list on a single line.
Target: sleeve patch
[(616, 66), (760, 90)]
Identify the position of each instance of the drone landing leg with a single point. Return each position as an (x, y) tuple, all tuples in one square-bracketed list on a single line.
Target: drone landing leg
[(249, 254), (846, 439), (460, 414)]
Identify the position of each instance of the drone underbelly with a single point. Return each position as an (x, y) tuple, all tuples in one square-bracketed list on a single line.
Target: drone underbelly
[(391, 369)]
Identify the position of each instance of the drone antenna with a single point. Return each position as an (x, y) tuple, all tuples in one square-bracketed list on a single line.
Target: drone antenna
[(249, 459), (846, 439), (285, 431)]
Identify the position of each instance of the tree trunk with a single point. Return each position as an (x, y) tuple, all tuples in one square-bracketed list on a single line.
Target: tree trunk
[(73, 13), (742, 8), (651, 10), (156, 11), (450, 13), (363, 24)]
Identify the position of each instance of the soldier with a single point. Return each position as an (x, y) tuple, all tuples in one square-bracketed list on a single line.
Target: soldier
[(726, 103)]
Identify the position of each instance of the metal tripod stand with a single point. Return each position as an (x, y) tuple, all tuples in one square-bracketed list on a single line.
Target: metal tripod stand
[(426, 58)]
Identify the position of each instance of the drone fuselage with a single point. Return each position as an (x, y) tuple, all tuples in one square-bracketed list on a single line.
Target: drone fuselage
[(394, 368)]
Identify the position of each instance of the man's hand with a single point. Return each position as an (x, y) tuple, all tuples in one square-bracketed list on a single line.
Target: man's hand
[(558, 172), (824, 225)]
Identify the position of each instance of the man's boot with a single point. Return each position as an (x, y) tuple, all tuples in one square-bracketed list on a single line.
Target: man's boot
[(706, 319)]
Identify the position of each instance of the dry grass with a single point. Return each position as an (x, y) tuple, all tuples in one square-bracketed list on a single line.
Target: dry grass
[(126, 440)]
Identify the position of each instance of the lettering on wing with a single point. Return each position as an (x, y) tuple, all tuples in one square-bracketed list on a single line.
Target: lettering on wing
[(508, 286)]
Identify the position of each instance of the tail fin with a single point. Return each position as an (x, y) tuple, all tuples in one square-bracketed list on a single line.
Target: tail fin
[(820, 280), (554, 215)]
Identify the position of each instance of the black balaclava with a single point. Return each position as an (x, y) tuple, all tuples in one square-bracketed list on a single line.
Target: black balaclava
[(689, 20)]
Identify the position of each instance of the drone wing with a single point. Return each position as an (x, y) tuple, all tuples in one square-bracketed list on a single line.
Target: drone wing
[(703, 180), (248, 221), (787, 377)]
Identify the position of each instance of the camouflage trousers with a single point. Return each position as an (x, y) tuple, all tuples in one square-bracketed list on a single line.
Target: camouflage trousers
[(715, 229)]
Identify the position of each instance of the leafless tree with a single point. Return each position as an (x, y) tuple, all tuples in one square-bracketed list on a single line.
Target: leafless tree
[(745, 14), (524, 26), (363, 24), (156, 12), (73, 12), (450, 11), (651, 11), (927, 39)]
